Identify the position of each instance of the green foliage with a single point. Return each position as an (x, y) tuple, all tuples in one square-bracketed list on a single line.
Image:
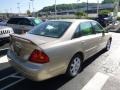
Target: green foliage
[(108, 1), (63, 7), (80, 15), (118, 18), (105, 12), (28, 13)]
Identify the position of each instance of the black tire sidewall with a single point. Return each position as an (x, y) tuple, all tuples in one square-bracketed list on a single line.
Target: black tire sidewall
[(108, 42), (68, 73)]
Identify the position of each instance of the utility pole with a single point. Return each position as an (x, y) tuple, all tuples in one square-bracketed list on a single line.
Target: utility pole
[(97, 7), (11, 10), (55, 11), (18, 6), (6, 12), (77, 3), (87, 7), (29, 5), (32, 6)]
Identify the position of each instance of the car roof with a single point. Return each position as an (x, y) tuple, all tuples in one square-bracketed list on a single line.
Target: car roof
[(73, 20), (23, 17)]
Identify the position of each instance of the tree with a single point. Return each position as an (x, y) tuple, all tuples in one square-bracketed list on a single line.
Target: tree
[(64, 7), (80, 15), (104, 12), (28, 13), (107, 1)]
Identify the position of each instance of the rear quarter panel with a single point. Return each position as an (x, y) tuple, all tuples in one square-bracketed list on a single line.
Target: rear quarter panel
[(61, 53)]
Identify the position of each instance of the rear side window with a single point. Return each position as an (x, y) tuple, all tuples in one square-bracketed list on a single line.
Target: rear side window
[(13, 21), (97, 27), (25, 21), (86, 28)]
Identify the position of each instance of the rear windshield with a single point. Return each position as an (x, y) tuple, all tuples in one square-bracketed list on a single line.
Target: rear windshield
[(13, 20), (53, 29)]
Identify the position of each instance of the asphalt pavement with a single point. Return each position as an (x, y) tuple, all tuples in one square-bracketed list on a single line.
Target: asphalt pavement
[(100, 72)]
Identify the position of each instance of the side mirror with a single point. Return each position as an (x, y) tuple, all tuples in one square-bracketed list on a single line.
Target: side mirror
[(106, 30)]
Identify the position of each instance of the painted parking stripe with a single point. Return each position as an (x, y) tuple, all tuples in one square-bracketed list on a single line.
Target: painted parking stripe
[(6, 72), (8, 76), (4, 49), (97, 82), (11, 84), (10, 80), (3, 59)]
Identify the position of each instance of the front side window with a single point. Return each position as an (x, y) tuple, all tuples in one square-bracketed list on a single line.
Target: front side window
[(97, 27), (86, 28), (51, 29)]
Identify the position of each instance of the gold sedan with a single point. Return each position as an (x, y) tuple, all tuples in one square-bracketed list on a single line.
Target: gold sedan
[(57, 47)]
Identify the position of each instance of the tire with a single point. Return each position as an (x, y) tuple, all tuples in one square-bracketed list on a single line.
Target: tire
[(107, 48), (74, 66)]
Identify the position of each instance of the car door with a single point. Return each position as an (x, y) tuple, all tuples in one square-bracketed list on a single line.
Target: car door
[(86, 39), (100, 35), (89, 43)]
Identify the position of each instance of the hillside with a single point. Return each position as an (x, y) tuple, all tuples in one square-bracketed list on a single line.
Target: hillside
[(62, 7)]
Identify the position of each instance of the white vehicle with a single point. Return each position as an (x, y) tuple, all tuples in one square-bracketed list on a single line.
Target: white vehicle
[(3, 23), (4, 34)]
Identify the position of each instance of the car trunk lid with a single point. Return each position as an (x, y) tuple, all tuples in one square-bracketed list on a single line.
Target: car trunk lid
[(24, 45)]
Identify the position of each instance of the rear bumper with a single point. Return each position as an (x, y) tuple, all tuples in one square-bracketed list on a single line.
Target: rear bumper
[(30, 71)]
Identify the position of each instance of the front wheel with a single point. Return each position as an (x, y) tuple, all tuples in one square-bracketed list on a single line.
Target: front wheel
[(107, 48), (74, 66)]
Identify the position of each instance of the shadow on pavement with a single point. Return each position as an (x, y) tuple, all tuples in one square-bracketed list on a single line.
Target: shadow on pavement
[(51, 84), (93, 58)]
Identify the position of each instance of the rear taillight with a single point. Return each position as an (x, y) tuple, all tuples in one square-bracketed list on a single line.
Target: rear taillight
[(38, 56)]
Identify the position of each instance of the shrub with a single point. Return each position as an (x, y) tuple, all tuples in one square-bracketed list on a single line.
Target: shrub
[(105, 12), (80, 15)]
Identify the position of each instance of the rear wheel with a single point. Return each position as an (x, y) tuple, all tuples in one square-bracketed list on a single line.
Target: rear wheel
[(74, 66)]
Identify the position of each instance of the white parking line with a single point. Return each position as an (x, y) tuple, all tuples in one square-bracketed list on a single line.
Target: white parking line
[(8, 76), (97, 82), (4, 49), (16, 76), (3, 59), (12, 84), (15, 82)]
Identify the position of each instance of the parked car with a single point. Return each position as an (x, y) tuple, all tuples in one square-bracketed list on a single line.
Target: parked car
[(21, 25), (1, 20), (3, 23), (4, 34), (104, 20), (57, 47)]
